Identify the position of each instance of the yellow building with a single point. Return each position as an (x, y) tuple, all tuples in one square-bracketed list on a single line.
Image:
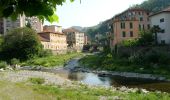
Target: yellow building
[(54, 41)]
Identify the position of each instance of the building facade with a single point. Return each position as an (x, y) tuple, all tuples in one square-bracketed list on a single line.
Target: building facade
[(162, 19), (54, 41), (35, 23), (52, 28), (128, 24), (8, 24), (75, 39)]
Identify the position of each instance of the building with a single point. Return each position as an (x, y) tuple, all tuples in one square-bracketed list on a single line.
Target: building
[(128, 24), (54, 41), (8, 24), (162, 19), (35, 23), (85, 40), (52, 28), (75, 39)]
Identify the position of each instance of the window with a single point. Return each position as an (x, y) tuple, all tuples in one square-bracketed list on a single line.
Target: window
[(163, 42), (139, 27), (162, 20), (123, 34), (148, 26), (122, 26), (131, 33), (131, 25), (143, 27), (163, 31), (139, 13), (141, 18)]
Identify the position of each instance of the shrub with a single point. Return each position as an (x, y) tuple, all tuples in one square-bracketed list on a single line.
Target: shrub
[(14, 61), (130, 42), (37, 80), (45, 53), (150, 56), (20, 43), (3, 64)]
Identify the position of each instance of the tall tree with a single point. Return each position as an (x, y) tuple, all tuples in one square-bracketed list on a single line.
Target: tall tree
[(156, 29), (43, 9)]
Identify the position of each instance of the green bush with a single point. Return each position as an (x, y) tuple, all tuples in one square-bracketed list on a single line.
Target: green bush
[(130, 42), (20, 43), (3, 64), (37, 80), (150, 56), (45, 53), (14, 61)]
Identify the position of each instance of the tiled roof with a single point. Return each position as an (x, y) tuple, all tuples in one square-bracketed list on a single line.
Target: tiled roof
[(44, 36), (165, 10), (131, 9)]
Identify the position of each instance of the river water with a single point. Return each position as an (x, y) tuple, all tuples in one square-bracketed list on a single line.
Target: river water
[(90, 78)]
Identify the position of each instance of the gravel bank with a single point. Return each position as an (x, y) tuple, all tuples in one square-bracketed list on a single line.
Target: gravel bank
[(20, 76)]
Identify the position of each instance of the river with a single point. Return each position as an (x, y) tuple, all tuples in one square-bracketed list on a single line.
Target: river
[(91, 78)]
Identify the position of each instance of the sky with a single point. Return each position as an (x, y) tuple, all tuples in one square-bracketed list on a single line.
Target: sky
[(90, 12)]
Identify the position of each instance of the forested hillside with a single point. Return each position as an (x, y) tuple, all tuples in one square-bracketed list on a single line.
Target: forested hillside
[(151, 5), (154, 5)]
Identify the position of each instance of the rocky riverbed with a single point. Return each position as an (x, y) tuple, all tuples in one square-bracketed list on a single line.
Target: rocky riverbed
[(53, 79)]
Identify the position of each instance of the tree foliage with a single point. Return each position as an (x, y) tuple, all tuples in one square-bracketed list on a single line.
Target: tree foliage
[(20, 43), (154, 5), (43, 9)]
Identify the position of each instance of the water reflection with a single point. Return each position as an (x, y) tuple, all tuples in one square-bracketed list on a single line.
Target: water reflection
[(117, 81)]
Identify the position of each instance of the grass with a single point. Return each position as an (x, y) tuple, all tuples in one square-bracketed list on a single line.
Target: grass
[(23, 91), (108, 63), (51, 61), (37, 80)]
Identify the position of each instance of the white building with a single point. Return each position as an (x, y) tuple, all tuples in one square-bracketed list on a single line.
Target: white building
[(8, 24), (162, 19), (75, 39)]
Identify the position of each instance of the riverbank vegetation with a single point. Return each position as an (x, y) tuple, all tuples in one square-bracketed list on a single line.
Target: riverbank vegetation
[(26, 91), (51, 61), (22, 46), (141, 55)]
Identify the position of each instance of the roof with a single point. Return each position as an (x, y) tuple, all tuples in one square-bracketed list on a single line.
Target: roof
[(70, 30), (44, 36), (131, 9), (48, 32), (166, 10)]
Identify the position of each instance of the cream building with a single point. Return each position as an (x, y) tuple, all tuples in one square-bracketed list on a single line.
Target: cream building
[(52, 28), (54, 41), (162, 19), (75, 39)]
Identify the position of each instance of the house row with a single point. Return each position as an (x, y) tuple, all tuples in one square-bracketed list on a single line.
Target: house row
[(60, 41), (52, 37), (7, 24), (129, 23)]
